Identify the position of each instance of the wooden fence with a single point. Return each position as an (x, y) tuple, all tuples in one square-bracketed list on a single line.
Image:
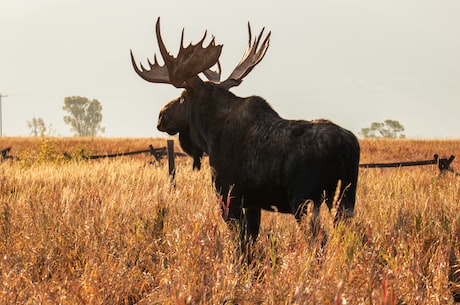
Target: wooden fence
[(442, 163)]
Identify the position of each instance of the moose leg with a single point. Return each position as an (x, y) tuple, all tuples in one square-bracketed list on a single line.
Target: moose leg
[(252, 224), (249, 230), (301, 210), (227, 204), (237, 218), (303, 194), (346, 206), (245, 220)]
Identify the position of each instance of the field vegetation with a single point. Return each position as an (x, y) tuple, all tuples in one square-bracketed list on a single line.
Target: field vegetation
[(115, 231)]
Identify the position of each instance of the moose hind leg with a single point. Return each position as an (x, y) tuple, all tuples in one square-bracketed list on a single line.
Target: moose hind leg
[(249, 224), (249, 227), (252, 224), (345, 210), (346, 207), (299, 205)]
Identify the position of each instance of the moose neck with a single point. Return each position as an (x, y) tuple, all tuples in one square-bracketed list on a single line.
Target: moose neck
[(210, 106)]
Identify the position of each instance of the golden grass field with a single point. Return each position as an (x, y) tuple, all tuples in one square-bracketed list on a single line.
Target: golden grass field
[(114, 231)]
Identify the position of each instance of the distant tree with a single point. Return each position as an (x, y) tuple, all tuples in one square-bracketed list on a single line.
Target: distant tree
[(388, 129), (85, 116), (37, 127)]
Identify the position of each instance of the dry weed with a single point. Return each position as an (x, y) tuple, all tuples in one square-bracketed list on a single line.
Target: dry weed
[(116, 232)]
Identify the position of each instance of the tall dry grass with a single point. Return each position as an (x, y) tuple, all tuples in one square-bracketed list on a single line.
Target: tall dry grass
[(116, 232)]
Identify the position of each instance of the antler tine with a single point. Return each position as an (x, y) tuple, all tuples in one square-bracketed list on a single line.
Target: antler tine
[(200, 43), (182, 39), (163, 51), (251, 57), (248, 48), (265, 44), (156, 74), (204, 37)]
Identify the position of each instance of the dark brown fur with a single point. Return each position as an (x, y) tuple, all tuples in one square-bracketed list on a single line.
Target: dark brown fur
[(260, 160), (172, 119)]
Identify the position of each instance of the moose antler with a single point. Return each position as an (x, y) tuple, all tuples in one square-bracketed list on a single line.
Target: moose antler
[(190, 61), (213, 76), (250, 59), (156, 73)]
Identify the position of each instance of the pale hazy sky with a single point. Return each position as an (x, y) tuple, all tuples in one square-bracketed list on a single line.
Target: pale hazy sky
[(354, 62)]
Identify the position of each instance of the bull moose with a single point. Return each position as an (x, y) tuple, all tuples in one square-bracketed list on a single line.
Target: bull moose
[(259, 160)]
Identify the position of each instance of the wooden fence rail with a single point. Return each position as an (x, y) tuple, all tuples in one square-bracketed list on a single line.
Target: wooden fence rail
[(5, 153), (158, 153), (443, 163)]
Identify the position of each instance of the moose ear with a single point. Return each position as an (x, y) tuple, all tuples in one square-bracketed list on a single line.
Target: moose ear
[(230, 83)]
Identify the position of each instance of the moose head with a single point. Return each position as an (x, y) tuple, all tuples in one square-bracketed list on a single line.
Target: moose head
[(183, 71)]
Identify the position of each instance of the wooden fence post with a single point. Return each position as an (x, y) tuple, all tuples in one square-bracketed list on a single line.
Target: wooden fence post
[(171, 164)]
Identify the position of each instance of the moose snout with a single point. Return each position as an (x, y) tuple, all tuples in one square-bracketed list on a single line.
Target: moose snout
[(160, 126), (164, 126)]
